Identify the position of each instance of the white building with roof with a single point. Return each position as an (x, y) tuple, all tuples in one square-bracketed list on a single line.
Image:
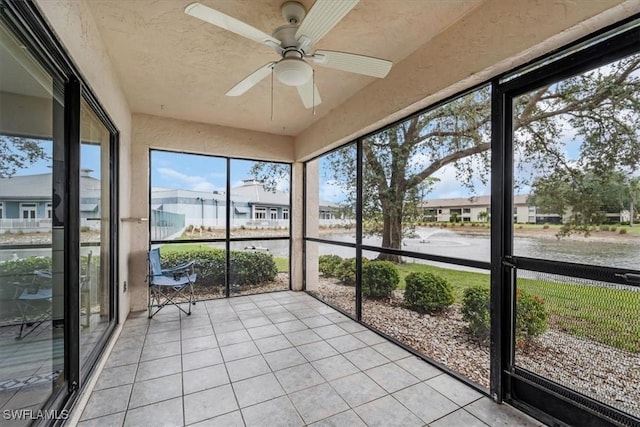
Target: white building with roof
[(26, 202), (474, 209)]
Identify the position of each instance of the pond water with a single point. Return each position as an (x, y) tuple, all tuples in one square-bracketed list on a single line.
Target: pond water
[(594, 251), (623, 254)]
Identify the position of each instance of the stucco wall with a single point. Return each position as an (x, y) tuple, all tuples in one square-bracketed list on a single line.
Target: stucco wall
[(183, 136), (493, 38), (76, 30)]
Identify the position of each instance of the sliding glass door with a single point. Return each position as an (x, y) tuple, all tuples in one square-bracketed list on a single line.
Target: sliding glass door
[(32, 231), (58, 199)]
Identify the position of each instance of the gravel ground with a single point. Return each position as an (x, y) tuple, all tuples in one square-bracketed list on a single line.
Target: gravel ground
[(602, 372)]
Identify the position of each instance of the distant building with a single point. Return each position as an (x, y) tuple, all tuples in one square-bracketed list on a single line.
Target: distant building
[(25, 202), (474, 209), (25, 205)]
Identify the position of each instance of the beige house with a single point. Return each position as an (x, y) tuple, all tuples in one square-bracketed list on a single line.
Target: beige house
[(474, 209)]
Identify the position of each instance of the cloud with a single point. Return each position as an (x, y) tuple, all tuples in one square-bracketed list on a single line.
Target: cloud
[(449, 186), (331, 191), (187, 182)]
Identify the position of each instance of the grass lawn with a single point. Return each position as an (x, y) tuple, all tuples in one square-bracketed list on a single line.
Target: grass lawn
[(606, 315)]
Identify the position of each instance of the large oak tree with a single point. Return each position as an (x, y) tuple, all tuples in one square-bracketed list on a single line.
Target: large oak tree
[(596, 112)]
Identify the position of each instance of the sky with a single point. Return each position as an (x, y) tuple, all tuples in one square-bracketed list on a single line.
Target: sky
[(208, 173), (89, 159), (198, 172)]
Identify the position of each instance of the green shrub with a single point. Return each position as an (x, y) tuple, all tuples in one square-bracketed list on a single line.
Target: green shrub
[(613, 228), (545, 226), (379, 279), (427, 293), (623, 231), (346, 271), (531, 315), (247, 268), (476, 311), (22, 267), (209, 263), (252, 268), (327, 264), (604, 228)]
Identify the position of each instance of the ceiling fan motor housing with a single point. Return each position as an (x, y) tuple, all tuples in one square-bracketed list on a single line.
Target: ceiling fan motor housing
[(293, 12)]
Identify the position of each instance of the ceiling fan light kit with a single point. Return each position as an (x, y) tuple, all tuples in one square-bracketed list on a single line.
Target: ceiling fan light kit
[(292, 71), (293, 42)]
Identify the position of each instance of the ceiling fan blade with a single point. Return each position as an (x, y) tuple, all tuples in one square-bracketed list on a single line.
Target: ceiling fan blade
[(228, 23), (251, 80), (323, 16), (309, 94), (353, 63)]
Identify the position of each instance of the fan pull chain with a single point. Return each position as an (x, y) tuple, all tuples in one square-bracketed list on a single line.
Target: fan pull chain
[(271, 93), (313, 92)]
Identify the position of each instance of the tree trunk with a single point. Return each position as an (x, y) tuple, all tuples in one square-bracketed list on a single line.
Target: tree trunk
[(392, 236)]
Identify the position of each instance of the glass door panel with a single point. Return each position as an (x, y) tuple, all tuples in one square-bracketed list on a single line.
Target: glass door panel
[(575, 201), (32, 290), (95, 240)]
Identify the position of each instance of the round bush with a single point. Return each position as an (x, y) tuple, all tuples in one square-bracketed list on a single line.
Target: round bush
[(251, 268), (427, 293), (379, 279), (327, 264), (531, 315), (346, 271), (476, 311)]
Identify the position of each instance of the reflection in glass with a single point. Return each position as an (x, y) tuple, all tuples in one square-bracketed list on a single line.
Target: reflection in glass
[(95, 220), (31, 232)]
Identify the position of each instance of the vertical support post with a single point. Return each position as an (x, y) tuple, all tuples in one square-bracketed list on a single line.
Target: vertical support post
[(359, 183), (311, 222), (501, 239), (72, 101), (227, 243), (296, 224)]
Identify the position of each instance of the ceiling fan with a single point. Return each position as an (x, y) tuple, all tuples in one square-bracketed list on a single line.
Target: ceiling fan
[(294, 42)]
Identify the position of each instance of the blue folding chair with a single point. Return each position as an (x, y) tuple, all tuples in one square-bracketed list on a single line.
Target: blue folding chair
[(169, 286), (34, 302)]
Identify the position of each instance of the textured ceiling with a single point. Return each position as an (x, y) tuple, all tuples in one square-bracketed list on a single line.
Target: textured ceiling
[(174, 65)]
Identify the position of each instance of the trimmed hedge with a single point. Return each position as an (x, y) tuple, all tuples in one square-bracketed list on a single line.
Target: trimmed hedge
[(379, 279), (247, 268), (427, 293), (346, 271), (24, 266)]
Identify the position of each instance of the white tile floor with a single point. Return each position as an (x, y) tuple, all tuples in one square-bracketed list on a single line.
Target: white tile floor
[(277, 359)]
